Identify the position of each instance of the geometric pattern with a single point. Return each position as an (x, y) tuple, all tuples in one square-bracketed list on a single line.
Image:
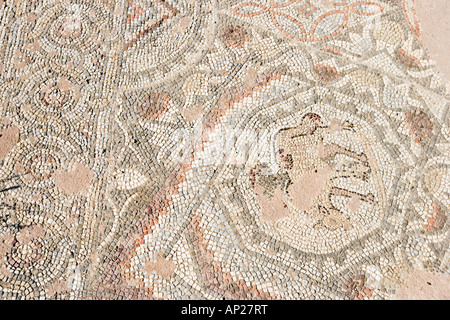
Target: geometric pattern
[(263, 149)]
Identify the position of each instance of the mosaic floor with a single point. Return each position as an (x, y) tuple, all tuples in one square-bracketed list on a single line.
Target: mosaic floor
[(221, 149)]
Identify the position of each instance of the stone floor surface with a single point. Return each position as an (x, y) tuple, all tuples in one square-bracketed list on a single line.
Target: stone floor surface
[(224, 149)]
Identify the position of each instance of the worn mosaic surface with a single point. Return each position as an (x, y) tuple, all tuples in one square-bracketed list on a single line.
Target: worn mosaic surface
[(264, 149)]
